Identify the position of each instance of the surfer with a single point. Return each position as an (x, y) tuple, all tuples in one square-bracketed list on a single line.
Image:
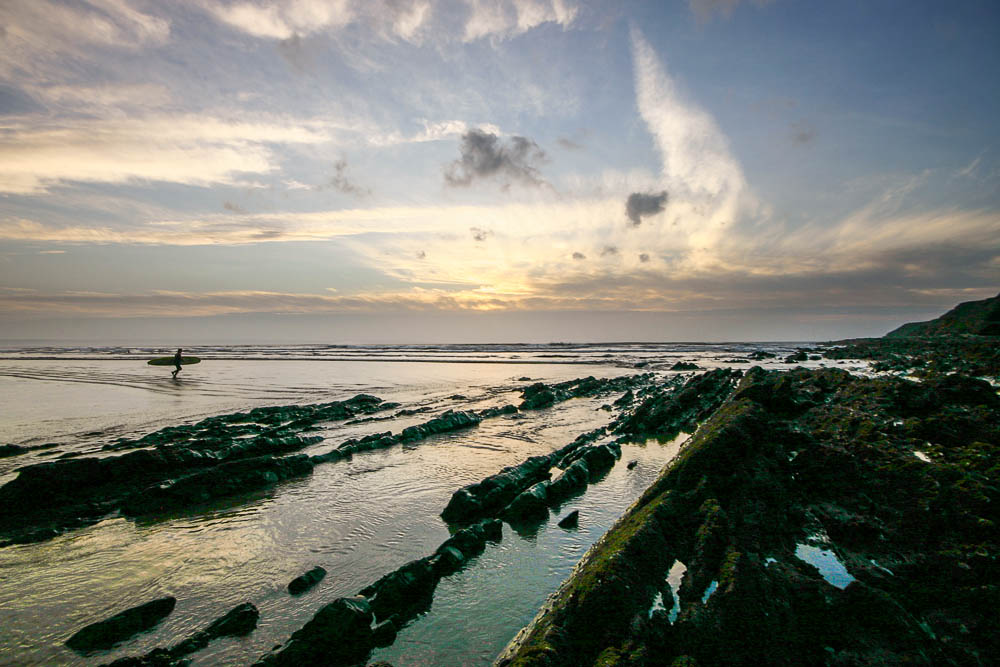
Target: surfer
[(177, 363)]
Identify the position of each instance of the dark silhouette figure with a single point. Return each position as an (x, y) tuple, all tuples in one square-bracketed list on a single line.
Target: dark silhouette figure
[(177, 363)]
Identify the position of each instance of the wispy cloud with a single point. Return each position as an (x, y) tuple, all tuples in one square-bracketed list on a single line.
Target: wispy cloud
[(38, 35), (193, 150), (705, 181), (508, 18)]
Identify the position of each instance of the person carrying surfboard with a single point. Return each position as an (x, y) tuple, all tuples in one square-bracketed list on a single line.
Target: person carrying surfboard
[(177, 363)]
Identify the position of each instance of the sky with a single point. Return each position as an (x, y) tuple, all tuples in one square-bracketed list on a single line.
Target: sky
[(369, 171)]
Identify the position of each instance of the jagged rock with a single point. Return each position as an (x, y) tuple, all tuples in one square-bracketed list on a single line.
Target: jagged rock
[(339, 634), (668, 410), (632, 464), (384, 634), (600, 459), (496, 412), (237, 622), (496, 491), (788, 457), (449, 421), (11, 450), (571, 520), (404, 592), (71, 492), (227, 479), (685, 366), (572, 480), (530, 505), (538, 395), (796, 357), (304, 582), (105, 634)]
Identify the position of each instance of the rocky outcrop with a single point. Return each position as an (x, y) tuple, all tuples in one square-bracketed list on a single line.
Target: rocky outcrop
[(120, 627), (345, 631), (980, 318), (238, 622), (894, 481), (491, 495), (11, 450), (685, 366), (304, 582), (339, 634), (667, 410), (541, 395), (225, 480), (46, 498)]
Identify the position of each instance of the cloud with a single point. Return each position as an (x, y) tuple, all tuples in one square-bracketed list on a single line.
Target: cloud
[(433, 132), (642, 204), (485, 156), (707, 187), (579, 255), (289, 20), (643, 257), (480, 234), (705, 9), (104, 97), (609, 250), (187, 149), (803, 133), (341, 183), (569, 144), (235, 208), (38, 36), (504, 19)]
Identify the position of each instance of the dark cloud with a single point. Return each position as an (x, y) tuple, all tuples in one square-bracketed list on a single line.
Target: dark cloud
[(641, 204), (579, 255), (480, 234), (609, 250), (235, 208), (341, 183), (803, 133), (421, 255), (569, 144), (644, 257), (268, 234), (487, 156)]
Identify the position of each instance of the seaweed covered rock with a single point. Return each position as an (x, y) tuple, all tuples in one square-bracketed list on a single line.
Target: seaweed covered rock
[(541, 395), (304, 582), (531, 505), (120, 627), (339, 634), (669, 410), (11, 450), (815, 521), (449, 421), (496, 491), (237, 622), (46, 498), (230, 478), (404, 592)]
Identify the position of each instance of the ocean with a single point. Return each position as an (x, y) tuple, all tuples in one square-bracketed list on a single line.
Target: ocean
[(358, 519)]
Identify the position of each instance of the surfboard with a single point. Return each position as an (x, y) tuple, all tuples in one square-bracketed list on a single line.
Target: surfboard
[(169, 361)]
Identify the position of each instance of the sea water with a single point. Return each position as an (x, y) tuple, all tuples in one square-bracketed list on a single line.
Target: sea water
[(359, 519)]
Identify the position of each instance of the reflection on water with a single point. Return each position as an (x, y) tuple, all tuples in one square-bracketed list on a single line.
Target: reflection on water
[(358, 519)]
